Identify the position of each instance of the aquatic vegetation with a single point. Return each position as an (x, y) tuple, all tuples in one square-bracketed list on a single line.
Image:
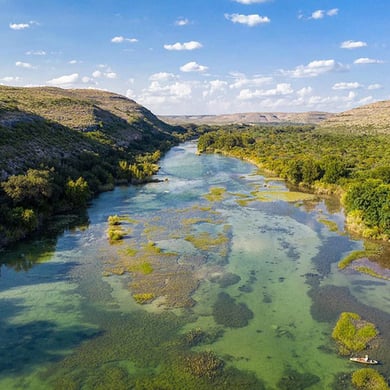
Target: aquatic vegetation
[(226, 280), (114, 220), (143, 298), (297, 381), (203, 364), (369, 379), (331, 225), (228, 313), (371, 272), (205, 241), (352, 333), (198, 337), (128, 251), (216, 194), (371, 250)]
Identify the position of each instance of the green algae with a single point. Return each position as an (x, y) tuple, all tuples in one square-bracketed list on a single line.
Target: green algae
[(369, 379)]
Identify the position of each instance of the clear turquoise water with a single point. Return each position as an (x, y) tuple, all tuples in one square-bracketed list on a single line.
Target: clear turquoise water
[(64, 325)]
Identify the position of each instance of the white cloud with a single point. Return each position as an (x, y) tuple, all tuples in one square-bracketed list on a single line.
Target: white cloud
[(280, 90), (373, 87), (36, 53), (162, 76), (193, 67), (241, 80), (343, 85), (25, 65), (249, 20), (121, 39), (182, 22), (305, 91), (214, 86), (333, 12), (73, 62), (192, 45), (86, 79), (365, 60), (10, 79), (319, 14), (314, 69), (111, 75), (352, 44), (19, 26), (251, 1), (64, 80), (366, 100)]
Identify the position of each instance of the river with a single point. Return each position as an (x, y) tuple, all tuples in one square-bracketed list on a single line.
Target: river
[(225, 279)]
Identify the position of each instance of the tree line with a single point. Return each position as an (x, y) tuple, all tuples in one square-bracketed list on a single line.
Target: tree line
[(356, 166)]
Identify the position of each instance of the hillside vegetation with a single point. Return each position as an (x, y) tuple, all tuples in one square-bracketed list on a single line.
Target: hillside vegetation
[(369, 119), (59, 147)]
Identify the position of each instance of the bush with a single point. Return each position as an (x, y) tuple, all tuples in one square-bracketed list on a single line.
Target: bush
[(369, 379)]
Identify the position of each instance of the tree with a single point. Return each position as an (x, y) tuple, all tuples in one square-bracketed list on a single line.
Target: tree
[(77, 192)]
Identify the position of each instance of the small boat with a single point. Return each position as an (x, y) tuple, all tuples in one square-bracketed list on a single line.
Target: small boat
[(363, 360)]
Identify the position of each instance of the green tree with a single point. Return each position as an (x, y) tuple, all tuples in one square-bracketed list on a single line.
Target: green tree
[(77, 192)]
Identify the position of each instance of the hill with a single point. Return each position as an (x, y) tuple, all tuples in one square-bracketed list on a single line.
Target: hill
[(313, 117), (51, 123), (60, 147), (370, 118)]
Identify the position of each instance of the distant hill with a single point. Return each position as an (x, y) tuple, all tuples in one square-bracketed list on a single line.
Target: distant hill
[(40, 124), (313, 117), (370, 118)]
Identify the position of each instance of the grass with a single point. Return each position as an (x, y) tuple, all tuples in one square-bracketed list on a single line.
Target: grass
[(371, 250), (216, 194)]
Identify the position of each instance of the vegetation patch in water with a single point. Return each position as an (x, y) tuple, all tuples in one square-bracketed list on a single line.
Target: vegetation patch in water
[(216, 194), (226, 280), (352, 333), (371, 250), (369, 379), (371, 272), (228, 313), (331, 225), (205, 241), (143, 298), (298, 381)]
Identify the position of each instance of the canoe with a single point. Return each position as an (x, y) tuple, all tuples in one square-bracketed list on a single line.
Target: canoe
[(363, 360)]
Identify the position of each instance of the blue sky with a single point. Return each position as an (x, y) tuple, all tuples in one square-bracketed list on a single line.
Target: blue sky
[(203, 56)]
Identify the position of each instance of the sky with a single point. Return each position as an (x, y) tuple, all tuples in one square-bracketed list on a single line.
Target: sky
[(193, 57)]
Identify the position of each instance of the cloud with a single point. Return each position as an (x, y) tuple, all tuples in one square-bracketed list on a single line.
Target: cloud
[(25, 65), (182, 22), (320, 14), (343, 85), (19, 26), (22, 26), (373, 87), (241, 80), (214, 86), (162, 76), (249, 20), (352, 44), (305, 91), (193, 67), (74, 62), (9, 79), (192, 45), (366, 60), (280, 90), (64, 80), (97, 74), (314, 69), (36, 53), (333, 12), (250, 1), (121, 39)]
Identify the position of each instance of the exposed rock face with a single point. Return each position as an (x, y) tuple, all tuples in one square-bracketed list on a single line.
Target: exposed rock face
[(313, 117)]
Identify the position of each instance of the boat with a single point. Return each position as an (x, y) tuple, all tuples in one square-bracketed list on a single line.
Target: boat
[(363, 360)]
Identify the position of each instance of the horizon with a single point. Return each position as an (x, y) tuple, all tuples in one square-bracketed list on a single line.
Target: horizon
[(204, 57)]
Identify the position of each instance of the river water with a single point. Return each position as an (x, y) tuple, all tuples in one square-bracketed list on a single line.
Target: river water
[(224, 280)]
